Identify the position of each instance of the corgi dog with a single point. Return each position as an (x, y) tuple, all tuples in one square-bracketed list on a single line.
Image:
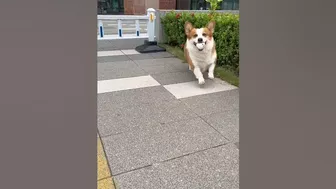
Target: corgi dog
[(200, 50)]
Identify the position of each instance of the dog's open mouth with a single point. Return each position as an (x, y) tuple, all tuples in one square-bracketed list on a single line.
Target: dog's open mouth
[(200, 46)]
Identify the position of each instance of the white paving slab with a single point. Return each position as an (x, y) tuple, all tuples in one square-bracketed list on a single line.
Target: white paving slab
[(105, 86), (130, 51), (109, 53), (189, 89)]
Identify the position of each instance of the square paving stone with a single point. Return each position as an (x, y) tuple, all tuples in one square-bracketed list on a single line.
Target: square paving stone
[(159, 142), (139, 56), (158, 69), (130, 118), (158, 61), (109, 53), (216, 168), (117, 58), (227, 123), (130, 51), (161, 55), (156, 96), (162, 65), (122, 69), (174, 77), (213, 103)]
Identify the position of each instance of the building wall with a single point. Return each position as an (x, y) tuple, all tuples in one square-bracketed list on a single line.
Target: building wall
[(167, 4), (152, 4), (139, 7), (135, 7)]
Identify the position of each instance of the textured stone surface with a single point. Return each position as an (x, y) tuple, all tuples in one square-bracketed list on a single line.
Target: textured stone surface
[(227, 123), (130, 118), (117, 58), (216, 168), (121, 84), (120, 69), (174, 77), (161, 55), (140, 56), (192, 88), (119, 100), (213, 103), (159, 142), (103, 170), (162, 65), (105, 184)]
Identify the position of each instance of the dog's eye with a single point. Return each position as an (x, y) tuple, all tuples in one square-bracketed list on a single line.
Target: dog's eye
[(204, 34), (195, 35)]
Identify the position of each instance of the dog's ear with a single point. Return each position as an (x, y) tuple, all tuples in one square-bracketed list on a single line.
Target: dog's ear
[(187, 27), (211, 26)]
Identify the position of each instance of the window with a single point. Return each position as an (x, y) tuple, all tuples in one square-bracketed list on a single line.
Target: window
[(224, 5), (230, 5), (110, 6)]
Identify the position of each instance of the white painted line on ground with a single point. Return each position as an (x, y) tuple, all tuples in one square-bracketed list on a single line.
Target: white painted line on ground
[(129, 51), (116, 24), (189, 89), (112, 85), (109, 53), (125, 36)]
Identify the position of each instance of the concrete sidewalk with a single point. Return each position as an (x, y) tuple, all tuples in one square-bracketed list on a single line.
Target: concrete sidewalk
[(159, 129)]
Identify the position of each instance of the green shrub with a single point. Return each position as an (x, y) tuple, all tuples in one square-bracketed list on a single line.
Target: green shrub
[(226, 34)]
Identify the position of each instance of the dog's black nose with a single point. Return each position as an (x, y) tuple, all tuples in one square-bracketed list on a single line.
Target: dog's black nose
[(200, 40)]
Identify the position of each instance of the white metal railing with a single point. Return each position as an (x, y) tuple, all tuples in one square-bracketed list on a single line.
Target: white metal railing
[(150, 18)]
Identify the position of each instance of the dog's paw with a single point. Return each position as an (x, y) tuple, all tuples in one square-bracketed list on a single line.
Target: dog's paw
[(211, 76), (201, 81)]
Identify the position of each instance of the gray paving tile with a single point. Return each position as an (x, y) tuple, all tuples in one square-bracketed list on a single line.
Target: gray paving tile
[(214, 102), (125, 111), (121, 69), (158, 142), (158, 61), (140, 56), (120, 43), (118, 58), (130, 118), (227, 123), (159, 69), (162, 65), (156, 96), (107, 48), (237, 144), (161, 55), (174, 77), (216, 168)]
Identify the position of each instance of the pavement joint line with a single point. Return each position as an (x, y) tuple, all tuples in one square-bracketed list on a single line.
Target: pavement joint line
[(132, 170), (212, 127), (170, 159), (105, 165), (169, 122)]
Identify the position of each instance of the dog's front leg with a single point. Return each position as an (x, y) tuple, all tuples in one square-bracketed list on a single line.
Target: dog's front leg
[(199, 75), (211, 71)]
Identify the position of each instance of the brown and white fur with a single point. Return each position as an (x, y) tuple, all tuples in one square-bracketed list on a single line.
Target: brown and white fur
[(200, 50)]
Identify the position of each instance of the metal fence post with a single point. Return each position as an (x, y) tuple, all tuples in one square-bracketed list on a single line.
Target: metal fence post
[(151, 24), (101, 28), (119, 28), (137, 28)]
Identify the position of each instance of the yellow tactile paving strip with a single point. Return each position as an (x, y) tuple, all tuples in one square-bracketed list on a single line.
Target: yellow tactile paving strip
[(104, 178)]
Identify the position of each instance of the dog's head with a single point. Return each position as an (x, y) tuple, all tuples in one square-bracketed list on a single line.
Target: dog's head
[(199, 37)]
